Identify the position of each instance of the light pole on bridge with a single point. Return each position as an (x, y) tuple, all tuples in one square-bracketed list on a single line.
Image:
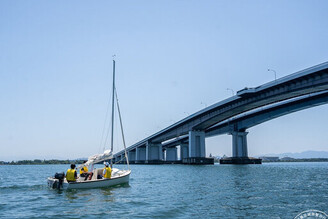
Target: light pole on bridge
[(204, 104), (232, 92), (275, 74)]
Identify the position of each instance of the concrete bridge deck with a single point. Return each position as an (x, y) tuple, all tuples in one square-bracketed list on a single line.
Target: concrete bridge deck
[(279, 97)]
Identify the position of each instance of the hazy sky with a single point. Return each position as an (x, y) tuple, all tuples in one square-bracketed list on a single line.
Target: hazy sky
[(173, 59)]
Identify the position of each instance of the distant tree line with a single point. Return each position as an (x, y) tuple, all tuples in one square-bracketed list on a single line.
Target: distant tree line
[(40, 162), (217, 160), (301, 160)]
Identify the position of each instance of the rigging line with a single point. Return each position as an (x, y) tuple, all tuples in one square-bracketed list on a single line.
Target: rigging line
[(116, 142), (112, 128), (119, 113), (105, 142), (104, 128)]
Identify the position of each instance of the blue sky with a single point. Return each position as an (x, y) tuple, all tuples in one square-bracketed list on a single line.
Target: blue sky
[(173, 59)]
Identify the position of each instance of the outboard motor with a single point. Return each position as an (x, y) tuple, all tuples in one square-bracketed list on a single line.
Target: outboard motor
[(60, 177)]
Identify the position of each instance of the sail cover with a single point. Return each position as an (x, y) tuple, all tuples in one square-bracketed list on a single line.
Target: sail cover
[(97, 158)]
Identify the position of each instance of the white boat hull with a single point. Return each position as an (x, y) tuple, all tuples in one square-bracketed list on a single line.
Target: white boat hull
[(118, 177)]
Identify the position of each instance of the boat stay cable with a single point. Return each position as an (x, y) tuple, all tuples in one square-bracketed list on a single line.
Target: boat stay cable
[(119, 114), (104, 138)]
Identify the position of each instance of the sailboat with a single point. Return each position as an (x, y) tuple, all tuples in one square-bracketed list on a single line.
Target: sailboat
[(117, 176)]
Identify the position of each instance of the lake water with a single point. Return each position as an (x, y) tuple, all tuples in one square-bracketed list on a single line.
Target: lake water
[(271, 190)]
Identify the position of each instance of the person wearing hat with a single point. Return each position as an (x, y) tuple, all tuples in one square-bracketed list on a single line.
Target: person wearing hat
[(71, 174), (107, 171)]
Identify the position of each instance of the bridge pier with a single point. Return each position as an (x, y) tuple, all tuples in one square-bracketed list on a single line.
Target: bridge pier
[(154, 153), (196, 149), (196, 144), (132, 156), (172, 154), (239, 150), (184, 150), (140, 155), (239, 144)]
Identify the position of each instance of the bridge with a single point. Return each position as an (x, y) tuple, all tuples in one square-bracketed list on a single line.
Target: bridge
[(249, 107)]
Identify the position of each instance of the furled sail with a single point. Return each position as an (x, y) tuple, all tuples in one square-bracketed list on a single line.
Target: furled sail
[(97, 158)]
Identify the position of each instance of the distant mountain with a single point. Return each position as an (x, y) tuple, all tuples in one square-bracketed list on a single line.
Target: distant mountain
[(304, 154)]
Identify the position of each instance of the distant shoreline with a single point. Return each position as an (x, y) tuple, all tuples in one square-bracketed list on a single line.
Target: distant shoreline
[(290, 160), (54, 161), (299, 160), (41, 162)]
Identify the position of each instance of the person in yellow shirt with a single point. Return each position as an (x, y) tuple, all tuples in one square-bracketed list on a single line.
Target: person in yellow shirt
[(71, 174), (84, 172), (107, 173)]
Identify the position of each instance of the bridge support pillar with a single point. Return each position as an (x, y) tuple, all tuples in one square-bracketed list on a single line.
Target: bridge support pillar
[(239, 144), (196, 149), (154, 153), (171, 154), (132, 156), (239, 151), (196, 144), (140, 155), (184, 151)]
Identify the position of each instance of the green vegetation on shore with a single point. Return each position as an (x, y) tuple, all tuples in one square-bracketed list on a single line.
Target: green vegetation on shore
[(40, 162), (300, 160), (217, 160)]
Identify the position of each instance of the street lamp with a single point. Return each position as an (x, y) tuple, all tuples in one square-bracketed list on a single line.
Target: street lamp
[(275, 73), (204, 104), (232, 92)]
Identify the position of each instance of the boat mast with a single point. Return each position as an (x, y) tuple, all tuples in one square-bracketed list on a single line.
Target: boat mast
[(112, 146)]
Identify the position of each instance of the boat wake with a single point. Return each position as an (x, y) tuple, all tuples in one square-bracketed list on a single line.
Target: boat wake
[(23, 187)]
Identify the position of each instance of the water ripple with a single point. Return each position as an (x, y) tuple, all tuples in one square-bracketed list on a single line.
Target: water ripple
[(279, 190)]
